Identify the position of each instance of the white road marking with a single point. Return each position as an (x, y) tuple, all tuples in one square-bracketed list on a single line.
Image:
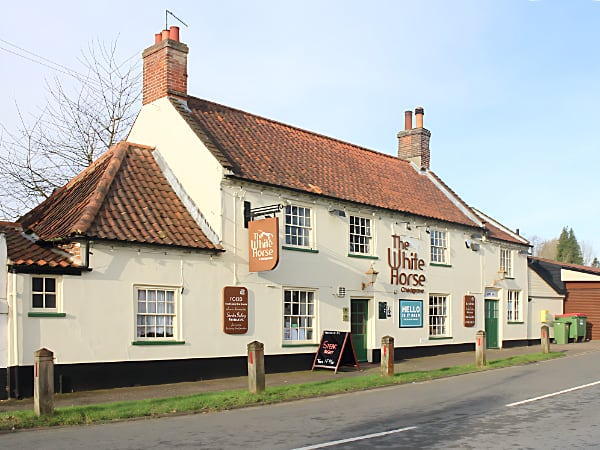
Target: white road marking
[(354, 439), (583, 386)]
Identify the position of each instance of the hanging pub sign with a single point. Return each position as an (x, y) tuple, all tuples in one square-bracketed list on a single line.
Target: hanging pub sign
[(263, 244), (469, 310), (235, 310), (334, 350)]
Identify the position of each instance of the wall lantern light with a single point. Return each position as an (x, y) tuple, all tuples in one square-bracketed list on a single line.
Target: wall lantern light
[(371, 276)]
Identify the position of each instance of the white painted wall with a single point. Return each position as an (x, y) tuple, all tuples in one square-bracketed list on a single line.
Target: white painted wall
[(161, 126), (543, 297), (573, 275), (3, 303), (100, 305)]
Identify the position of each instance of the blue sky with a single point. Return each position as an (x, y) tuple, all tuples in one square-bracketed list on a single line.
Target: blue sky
[(510, 87)]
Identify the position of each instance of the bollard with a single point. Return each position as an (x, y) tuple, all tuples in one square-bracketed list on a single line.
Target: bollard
[(545, 339), (387, 356), (43, 382), (256, 367), (480, 349)]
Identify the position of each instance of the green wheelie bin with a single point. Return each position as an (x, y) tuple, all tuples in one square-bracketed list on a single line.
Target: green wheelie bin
[(562, 327), (578, 326)]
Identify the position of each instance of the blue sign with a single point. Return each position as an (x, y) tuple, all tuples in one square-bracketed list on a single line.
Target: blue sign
[(411, 313)]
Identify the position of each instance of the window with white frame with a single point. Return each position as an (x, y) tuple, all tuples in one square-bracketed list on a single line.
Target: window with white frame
[(438, 315), (156, 316), (506, 262), (298, 315), (513, 306), (439, 246), (360, 235), (298, 226), (44, 293)]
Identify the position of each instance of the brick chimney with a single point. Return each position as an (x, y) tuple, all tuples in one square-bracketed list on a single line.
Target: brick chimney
[(165, 67), (413, 143)]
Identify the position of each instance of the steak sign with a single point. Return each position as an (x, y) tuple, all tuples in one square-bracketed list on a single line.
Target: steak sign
[(263, 244)]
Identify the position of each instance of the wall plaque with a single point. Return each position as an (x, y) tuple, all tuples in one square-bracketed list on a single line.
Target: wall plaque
[(469, 310), (235, 310)]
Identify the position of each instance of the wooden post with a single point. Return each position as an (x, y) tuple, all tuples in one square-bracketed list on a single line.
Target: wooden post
[(256, 367), (43, 382), (387, 356), (545, 339), (480, 349)]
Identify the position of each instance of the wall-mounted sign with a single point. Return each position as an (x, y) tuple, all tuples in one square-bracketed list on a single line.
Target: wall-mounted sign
[(411, 313), (263, 248), (469, 310), (346, 314), (491, 293), (406, 268), (235, 310)]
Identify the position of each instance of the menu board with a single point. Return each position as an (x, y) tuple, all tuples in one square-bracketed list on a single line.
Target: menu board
[(469, 310), (334, 350), (235, 310)]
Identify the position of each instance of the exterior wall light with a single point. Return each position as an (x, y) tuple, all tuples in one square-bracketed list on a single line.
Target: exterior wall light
[(371, 276)]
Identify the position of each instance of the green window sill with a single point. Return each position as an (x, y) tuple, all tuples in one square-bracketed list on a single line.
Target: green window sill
[(355, 255), (300, 249), (440, 265), (299, 345), (439, 338), (515, 323), (46, 314), (158, 343)]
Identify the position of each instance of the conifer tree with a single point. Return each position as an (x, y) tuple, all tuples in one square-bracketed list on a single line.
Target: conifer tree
[(568, 249)]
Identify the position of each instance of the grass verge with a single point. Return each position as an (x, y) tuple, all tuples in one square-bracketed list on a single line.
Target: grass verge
[(218, 401)]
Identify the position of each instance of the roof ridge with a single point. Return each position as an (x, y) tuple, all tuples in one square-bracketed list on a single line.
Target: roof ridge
[(117, 153), (303, 130)]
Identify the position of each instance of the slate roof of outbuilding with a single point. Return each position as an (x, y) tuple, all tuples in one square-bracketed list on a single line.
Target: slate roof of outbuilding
[(24, 252), (269, 152), (123, 196)]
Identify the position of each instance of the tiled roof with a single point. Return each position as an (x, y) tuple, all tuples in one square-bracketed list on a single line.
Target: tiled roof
[(269, 152), (569, 266), (24, 252), (495, 230), (123, 196)]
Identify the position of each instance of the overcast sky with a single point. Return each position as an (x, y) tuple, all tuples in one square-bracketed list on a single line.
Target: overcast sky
[(510, 87)]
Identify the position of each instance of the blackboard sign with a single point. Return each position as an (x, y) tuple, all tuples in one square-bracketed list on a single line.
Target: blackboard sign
[(335, 349)]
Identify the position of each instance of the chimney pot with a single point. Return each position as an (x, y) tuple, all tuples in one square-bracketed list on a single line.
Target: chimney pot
[(407, 120), (165, 34), (157, 38), (413, 143), (174, 33), (419, 112)]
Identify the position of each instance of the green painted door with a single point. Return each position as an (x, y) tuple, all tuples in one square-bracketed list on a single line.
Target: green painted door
[(491, 323), (359, 310)]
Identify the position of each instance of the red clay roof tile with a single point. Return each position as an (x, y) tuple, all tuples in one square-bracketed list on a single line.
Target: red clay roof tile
[(123, 196), (25, 252), (266, 151)]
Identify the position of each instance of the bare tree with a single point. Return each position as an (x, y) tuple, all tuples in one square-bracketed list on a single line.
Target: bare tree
[(76, 126), (547, 249), (587, 251)]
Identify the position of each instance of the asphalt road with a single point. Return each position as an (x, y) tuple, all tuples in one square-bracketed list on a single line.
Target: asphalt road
[(478, 411)]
